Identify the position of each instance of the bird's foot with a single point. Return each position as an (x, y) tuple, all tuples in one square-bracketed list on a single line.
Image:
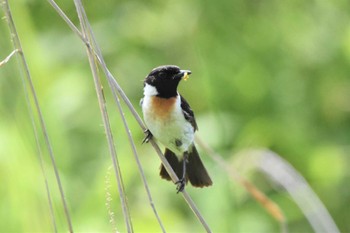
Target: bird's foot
[(181, 183), (148, 136)]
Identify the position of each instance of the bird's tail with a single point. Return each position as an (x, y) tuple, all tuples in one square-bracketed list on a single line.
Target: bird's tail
[(195, 170)]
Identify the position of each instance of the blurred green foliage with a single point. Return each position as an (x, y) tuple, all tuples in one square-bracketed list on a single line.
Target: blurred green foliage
[(271, 74)]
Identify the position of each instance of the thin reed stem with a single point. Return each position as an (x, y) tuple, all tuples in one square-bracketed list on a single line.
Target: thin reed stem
[(36, 136), (17, 45), (87, 34), (139, 166)]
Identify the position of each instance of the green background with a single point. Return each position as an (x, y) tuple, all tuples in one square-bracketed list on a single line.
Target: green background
[(265, 74)]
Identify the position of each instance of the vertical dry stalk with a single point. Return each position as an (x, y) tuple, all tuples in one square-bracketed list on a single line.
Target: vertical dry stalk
[(139, 166), (18, 47), (87, 34), (36, 136)]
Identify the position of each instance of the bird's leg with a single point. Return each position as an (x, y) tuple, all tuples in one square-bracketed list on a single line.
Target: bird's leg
[(182, 182), (148, 136)]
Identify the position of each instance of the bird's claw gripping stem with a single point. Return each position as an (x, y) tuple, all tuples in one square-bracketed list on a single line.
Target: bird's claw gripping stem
[(148, 136)]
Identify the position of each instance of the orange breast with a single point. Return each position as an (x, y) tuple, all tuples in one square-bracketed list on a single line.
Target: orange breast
[(162, 107)]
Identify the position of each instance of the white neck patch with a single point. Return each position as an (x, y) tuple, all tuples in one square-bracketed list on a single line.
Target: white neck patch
[(149, 90)]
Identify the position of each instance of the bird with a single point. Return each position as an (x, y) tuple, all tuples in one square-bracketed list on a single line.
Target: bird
[(171, 121)]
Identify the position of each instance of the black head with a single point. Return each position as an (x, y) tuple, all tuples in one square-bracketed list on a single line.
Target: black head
[(166, 79)]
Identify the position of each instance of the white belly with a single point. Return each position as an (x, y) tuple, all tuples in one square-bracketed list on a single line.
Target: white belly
[(171, 128)]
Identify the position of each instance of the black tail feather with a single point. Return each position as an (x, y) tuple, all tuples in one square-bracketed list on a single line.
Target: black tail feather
[(195, 170), (174, 163)]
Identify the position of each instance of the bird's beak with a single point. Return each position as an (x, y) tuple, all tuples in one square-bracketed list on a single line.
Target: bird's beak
[(185, 74)]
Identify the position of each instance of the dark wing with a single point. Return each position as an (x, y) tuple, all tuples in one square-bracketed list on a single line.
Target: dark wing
[(188, 113)]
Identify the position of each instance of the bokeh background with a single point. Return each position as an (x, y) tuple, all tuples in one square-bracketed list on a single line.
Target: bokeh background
[(265, 74)]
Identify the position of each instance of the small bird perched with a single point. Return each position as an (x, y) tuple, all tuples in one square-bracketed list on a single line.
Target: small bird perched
[(171, 121)]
